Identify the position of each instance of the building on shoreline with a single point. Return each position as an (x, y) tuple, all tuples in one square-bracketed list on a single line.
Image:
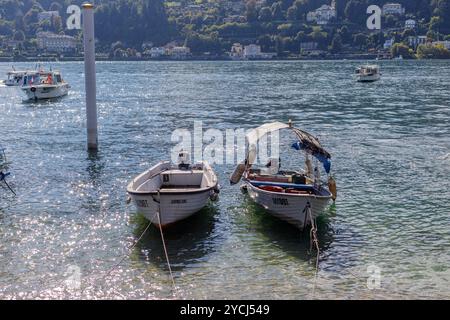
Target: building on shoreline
[(178, 52), (249, 52), (157, 52), (237, 52), (52, 42)]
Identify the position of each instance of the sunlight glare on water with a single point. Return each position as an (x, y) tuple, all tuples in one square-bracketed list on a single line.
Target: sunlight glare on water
[(389, 142)]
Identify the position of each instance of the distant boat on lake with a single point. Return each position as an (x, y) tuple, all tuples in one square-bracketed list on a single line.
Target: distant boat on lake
[(368, 73), (38, 85)]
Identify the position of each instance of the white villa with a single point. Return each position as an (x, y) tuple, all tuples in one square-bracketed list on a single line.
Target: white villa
[(323, 15), (56, 43), (157, 52), (410, 24), (394, 9), (250, 52)]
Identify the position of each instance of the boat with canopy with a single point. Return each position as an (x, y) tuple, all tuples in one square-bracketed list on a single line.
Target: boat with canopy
[(295, 196)]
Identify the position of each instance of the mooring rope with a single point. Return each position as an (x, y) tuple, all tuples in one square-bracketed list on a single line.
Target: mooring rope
[(163, 241), (165, 252), (314, 240)]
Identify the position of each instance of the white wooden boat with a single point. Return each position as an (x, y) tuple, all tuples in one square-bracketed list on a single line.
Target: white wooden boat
[(168, 193), (368, 73), (14, 78), (39, 85), (297, 197)]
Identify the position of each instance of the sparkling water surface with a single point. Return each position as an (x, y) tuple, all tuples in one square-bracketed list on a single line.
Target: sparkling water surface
[(390, 142)]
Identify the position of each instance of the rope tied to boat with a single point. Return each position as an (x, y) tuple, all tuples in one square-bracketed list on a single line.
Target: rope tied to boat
[(314, 240), (163, 241)]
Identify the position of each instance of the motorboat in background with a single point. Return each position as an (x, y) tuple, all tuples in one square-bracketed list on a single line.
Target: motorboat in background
[(168, 193), (368, 73), (14, 78), (38, 85), (295, 196)]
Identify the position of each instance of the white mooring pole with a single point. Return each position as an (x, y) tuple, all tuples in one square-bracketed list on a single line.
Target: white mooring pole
[(89, 72)]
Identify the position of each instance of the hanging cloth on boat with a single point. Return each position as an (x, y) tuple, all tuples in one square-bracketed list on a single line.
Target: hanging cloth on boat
[(323, 158)]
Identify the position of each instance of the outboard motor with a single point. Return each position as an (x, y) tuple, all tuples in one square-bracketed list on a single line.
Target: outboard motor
[(184, 160)]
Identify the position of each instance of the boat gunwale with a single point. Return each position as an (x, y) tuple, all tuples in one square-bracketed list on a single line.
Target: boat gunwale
[(131, 191), (294, 195)]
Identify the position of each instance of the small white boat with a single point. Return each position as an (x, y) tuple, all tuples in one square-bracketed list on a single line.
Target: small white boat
[(368, 73), (400, 57), (38, 85), (168, 193), (297, 197), (14, 78)]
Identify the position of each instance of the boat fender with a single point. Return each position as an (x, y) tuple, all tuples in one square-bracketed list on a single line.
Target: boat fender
[(309, 168), (332, 187), (33, 89), (237, 174)]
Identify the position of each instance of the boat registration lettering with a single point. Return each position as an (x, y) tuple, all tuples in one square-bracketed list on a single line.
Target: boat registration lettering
[(182, 201), (280, 201)]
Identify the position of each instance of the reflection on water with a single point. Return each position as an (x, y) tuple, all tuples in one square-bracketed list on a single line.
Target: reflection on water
[(283, 235), (187, 242)]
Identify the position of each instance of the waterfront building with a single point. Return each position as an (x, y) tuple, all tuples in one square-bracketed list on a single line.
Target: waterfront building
[(237, 51), (52, 42), (179, 52), (157, 52)]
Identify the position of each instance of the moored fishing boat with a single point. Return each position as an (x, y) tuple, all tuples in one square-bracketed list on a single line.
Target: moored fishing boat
[(38, 85), (168, 193), (295, 196), (368, 73)]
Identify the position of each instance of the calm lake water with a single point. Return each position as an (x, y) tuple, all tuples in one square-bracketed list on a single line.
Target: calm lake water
[(390, 143)]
